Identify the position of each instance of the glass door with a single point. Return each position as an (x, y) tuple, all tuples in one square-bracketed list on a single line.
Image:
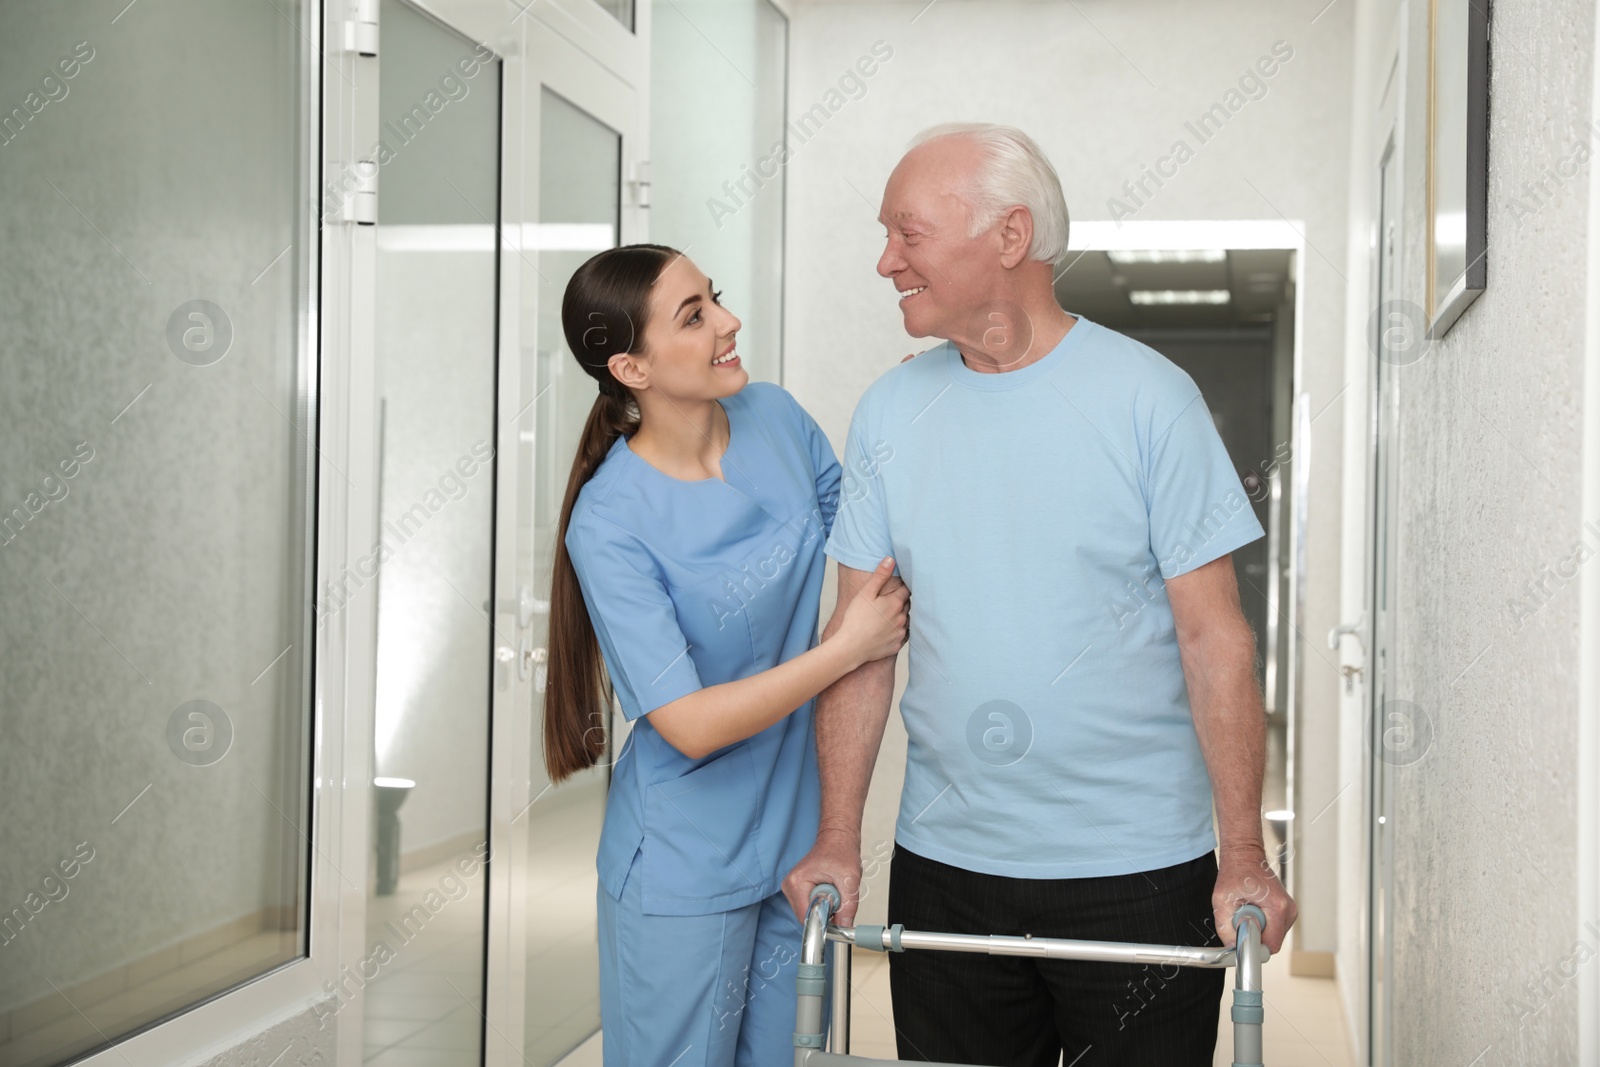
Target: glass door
[(580, 161), (579, 129), (434, 546), (503, 152)]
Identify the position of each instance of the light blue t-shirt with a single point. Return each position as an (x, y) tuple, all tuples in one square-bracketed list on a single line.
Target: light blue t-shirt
[(692, 584), (1034, 514)]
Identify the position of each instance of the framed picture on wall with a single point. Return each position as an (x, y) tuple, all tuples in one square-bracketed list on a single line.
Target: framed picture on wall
[(1458, 158)]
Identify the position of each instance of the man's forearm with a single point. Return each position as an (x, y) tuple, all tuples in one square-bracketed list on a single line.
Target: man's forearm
[(1231, 723), (850, 719)]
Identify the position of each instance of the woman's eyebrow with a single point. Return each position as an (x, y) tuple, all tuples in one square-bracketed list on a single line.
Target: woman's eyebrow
[(711, 287)]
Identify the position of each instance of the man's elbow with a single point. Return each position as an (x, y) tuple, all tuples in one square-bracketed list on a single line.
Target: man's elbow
[(1223, 643)]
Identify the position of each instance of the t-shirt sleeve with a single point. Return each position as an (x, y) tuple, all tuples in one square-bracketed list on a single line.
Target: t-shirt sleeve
[(824, 465), (634, 618), (1198, 508), (860, 536)]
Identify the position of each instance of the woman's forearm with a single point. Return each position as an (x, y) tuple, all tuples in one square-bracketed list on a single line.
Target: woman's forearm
[(718, 715)]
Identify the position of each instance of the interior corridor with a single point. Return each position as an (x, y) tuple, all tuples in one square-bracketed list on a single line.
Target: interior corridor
[(290, 412)]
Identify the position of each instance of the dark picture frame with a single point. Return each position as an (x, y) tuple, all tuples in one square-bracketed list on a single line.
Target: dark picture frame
[(1458, 158)]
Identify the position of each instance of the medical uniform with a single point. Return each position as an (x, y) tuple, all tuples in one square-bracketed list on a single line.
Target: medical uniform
[(692, 584)]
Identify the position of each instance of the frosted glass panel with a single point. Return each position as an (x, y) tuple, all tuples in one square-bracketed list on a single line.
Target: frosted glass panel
[(156, 483)]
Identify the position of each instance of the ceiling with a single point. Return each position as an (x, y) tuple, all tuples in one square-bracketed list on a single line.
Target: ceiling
[(1255, 281)]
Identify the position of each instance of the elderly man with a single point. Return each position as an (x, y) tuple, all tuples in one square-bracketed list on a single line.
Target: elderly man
[(1082, 681)]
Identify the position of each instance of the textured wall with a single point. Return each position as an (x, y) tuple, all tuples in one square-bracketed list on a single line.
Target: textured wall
[(1489, 486), (1106, 89)]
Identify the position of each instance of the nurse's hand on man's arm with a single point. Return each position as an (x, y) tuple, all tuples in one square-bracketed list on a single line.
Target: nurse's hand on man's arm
[(873, 628), (875, 620)]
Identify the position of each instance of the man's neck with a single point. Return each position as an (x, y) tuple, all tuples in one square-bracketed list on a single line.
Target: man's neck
[(1012, 345)]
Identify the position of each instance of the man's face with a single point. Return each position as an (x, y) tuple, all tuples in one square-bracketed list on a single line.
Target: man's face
[(945, 278)]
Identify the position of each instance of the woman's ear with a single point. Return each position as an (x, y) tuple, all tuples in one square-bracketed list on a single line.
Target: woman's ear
[(630, 370)]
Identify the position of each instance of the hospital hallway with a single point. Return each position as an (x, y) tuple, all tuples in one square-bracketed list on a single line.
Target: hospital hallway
[(332, 638)]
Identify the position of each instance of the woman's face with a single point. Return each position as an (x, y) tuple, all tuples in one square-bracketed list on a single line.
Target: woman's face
[(689, 348)]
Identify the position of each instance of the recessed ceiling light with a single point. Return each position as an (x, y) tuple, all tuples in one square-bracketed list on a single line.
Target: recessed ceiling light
[(1281, 815), (1192, 255), (1179, 296)]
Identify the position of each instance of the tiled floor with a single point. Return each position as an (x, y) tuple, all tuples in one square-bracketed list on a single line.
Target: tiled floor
[(423, 1008), (1305, 1024)]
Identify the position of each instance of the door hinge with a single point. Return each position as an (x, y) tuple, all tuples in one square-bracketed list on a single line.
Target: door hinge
[(361, 32), (639, 183), (359, 185)]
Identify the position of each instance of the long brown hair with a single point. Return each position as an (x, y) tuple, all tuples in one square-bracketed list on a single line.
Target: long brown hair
[(604, 312)]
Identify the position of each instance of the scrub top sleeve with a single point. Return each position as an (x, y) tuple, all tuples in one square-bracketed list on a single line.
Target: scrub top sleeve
[(645, 651), (1198, 507), (824, 465), (860, 536)]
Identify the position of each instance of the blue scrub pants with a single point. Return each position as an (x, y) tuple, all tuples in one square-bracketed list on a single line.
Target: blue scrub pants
[(697, 990)]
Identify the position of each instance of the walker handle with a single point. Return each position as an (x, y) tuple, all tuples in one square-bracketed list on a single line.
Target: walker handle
[(825, 889), (1246, 913)]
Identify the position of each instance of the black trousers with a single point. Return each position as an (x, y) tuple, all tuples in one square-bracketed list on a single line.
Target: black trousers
[(1010, 1011)]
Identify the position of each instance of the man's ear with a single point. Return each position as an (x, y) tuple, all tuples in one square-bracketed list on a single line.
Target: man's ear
[(629, 370), (1016, 236)]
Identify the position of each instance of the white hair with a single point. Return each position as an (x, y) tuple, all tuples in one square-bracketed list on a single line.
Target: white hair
[(1013, 173)]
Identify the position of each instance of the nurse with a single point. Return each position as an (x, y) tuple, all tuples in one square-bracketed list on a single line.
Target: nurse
[(687, 579)]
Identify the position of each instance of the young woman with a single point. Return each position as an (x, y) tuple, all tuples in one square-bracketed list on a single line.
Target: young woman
[(688, 574)]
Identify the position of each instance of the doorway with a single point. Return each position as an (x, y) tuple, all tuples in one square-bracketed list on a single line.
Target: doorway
[(1220, 300), (502, 149)]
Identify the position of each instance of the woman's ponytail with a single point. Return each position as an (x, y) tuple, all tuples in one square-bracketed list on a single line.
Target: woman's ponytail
[(603, 313)]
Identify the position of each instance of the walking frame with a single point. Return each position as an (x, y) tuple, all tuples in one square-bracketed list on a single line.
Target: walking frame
[(1248, 956)]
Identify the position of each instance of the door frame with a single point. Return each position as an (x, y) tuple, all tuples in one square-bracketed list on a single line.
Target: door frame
[(1381, 136), (1378, 644), (532, 46)]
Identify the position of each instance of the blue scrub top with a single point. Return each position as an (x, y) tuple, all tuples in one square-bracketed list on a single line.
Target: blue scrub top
[(692, 584)]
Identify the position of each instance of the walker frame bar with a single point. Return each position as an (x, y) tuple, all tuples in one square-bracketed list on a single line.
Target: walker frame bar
[(1248, 922)]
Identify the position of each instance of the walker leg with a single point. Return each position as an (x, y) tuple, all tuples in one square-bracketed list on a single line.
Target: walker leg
[(839, 1025), (1247, 1010), (811, 980)]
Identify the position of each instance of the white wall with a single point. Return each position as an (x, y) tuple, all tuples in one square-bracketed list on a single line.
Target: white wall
[(716, 112), (1106, 89), (1490, 489)]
